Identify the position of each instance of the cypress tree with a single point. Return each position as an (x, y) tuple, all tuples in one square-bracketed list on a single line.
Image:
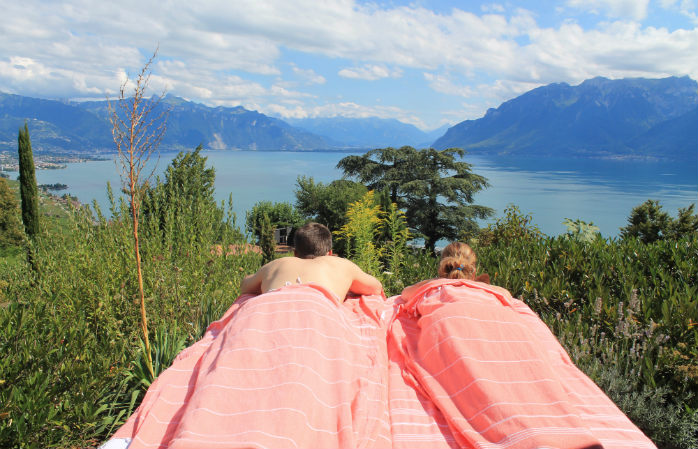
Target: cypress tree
[(27, 184)]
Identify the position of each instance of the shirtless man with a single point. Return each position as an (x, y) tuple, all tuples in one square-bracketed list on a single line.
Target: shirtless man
[(314, 263)]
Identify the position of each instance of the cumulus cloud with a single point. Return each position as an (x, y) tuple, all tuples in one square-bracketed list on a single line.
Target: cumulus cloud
[(622, 9), (370, 72), (685, 7), (229, 52), (308, 75), (349, 109), (443, 84)]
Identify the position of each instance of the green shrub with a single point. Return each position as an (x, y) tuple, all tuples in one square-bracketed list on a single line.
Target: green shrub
[(625, 311)]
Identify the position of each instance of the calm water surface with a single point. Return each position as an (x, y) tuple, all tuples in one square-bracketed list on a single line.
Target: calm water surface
[(600, 191)]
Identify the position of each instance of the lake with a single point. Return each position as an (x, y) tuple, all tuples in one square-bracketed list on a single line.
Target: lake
[(598, 191)]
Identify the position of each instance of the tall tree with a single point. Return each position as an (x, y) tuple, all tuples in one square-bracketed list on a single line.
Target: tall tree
[(433, 187), (29, 192), (327, 203), (184, 203)]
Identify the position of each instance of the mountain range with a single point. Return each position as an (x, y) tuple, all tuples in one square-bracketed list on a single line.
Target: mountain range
[(369, 132), (599, 118), (642, 118)]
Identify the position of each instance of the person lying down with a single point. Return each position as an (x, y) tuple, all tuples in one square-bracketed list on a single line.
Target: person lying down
[(449, 363), (293, 363), (313, 263)]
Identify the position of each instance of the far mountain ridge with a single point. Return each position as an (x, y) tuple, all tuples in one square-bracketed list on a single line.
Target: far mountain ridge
[(626, 118), (367, 132), (598, 118)]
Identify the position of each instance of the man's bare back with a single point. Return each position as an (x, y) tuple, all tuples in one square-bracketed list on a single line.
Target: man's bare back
[(336, 274)]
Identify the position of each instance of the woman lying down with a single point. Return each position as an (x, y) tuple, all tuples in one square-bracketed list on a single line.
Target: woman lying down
[(451, 362)]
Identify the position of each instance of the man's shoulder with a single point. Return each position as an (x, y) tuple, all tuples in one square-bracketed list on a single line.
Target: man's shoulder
[(289, 260), (336, 261)]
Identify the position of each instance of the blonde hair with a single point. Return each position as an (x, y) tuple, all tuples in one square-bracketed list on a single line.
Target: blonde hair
[(457, 262)]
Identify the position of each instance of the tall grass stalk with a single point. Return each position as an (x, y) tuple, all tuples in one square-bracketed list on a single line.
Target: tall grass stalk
[(137, 129)]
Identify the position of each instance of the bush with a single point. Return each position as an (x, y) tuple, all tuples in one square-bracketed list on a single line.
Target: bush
[(625, 311), (70, 339)]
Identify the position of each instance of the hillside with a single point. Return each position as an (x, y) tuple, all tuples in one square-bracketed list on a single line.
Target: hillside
[(190, 124), (626, 118), (598, 118), (76, 127), (367, 133)]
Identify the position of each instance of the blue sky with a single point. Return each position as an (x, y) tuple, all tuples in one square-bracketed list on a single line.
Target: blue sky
[(427, 63)]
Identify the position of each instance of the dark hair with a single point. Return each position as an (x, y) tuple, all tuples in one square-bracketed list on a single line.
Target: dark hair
[(457, 262), (312, 240)]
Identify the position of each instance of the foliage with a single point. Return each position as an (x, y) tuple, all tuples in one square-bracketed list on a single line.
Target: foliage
[(395, 234), (10, 227), (358, 234), (266, 239), (649, 223), (512, 227), (327, 203), (435, 190), (280, 215), (686, 223), (27, 180), (581, 231), (182, 209), (73, 367), (621, 308)]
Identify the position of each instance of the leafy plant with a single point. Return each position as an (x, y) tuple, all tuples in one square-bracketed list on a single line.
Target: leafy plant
[(581, 231), (362, 221), (514, 226)]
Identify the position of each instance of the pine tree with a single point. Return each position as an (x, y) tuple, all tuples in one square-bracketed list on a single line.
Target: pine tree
[(27, 180)]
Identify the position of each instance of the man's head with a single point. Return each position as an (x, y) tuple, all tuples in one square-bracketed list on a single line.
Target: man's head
[(312, 240)]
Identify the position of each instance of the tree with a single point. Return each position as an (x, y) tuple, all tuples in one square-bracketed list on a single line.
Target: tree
[(649, 223), (29, 192), (10, 226), (686, 223), (280, 215), (327, 203), (137, 129), (435, 190), (183, 208)]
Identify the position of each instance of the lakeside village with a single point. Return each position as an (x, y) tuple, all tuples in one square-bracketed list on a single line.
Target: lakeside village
[(9, 161)]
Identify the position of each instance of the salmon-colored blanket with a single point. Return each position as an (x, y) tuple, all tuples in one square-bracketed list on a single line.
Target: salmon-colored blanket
[(446, 364)]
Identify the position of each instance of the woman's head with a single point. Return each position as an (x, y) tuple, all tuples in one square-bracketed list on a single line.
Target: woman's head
[(457, 262)]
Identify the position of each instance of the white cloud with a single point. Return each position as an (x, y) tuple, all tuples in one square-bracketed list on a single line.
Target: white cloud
[(622, 9), (228, 52), (445, 85), (308, 75), (492, 7), (685, 7), (346, 109), (370, 72)]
